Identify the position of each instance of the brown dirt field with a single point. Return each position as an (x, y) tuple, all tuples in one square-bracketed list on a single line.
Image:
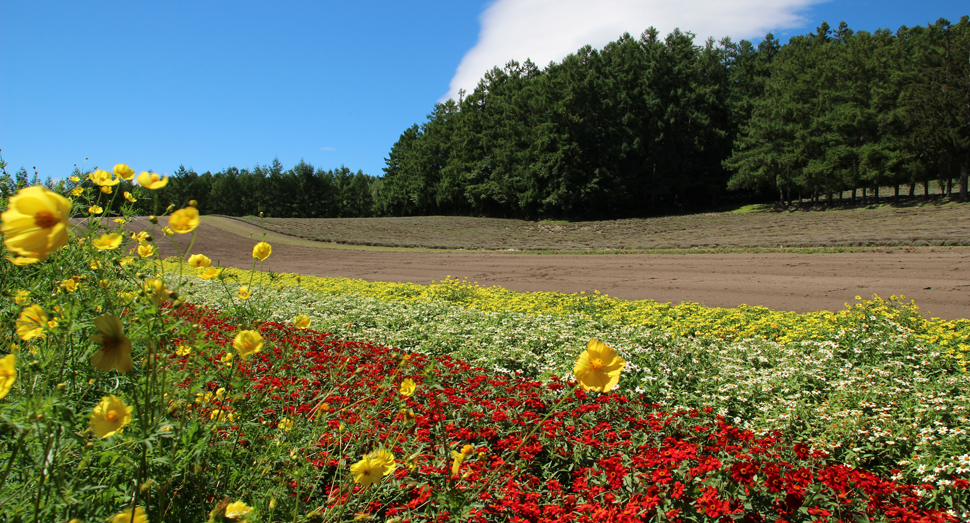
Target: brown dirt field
[(937, 278)]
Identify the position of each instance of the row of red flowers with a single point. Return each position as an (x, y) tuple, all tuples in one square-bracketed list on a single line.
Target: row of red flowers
[(542, 452)]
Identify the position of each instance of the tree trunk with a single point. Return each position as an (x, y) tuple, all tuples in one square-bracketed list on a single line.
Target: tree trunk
[(896, 196), (963, 179), (949, 187), (864, 196), (912, 190), (853, 195), (875, 195), (926, 189), (781, 196)]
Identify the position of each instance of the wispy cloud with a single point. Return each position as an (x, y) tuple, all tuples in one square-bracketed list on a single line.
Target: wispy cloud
[(327, 149), (548, 30)]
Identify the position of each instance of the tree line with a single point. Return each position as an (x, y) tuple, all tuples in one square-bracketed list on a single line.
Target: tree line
[(650, 125)]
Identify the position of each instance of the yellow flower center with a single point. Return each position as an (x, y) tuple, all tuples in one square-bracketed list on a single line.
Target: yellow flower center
[(596, 363), (111, 416), (45, 219), (155, 177)]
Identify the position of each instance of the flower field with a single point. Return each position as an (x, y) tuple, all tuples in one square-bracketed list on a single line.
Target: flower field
[(134, 389)]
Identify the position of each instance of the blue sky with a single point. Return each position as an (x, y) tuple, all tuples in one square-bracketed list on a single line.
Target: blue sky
[(212, 84)]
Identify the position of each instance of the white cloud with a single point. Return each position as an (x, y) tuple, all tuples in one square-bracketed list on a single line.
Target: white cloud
[(548, 30)]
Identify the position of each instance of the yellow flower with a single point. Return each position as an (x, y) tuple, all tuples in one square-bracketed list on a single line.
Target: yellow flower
[(459, 457), (107, 241), (22, 297), (124, 172), (94, 209), (184, 220), (152, 180), (598, 367), (77, 191), (262, 250), (199, 261), (35, 224), (210, 273), (31, 323), (125, 517), (408, 387), (156, 291), (183, 350), (69, 285), (115, 349), (129, 197), (119, 221), (145, 250), (103, 178), (244, 293), (235, 512), (247, 343), (168, 231), (141, 237), (109, 417), (368, 471), (8, 373), (75, 179), (285, 424), (227, 359), (106, 189), (301, 321), (386, 457), (95, 265)]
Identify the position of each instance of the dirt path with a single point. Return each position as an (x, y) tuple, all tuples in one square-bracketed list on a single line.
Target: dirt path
[(937, 278)]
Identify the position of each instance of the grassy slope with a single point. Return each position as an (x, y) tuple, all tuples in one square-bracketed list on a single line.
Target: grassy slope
[(927, 225)]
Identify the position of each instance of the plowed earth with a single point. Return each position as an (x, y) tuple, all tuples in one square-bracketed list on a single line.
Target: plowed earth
[(937, 278)]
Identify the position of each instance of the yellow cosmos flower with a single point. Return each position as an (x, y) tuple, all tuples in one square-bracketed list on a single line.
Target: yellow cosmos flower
[(167, 231), (262, 250), (109, 417), (183, 350), (247, 343), (77, 191), (103, 178), (69, 285), (459, 457), (156, 291), (115, 351), (95, 265), (31, 323), (235, 512), (199, 261), (227, 359), (22, 297), (285, 424), (386, 457), (145, 250), (107, 241), (124, 172), (408, 387), (141, 237), (368, 471), (210, 273), (126, 517), (129, 197), (75, 179), (152, 180), (8, 373), (94, 209), (35, 224), (598, 367), (184, 220), (106, 189), (301, 321), (244, 293)]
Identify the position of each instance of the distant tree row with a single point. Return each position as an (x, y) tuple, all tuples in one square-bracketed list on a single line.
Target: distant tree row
[(646, 126), (300, 192)]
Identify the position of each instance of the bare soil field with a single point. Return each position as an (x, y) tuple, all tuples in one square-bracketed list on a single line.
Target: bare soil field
[(938, 278)]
